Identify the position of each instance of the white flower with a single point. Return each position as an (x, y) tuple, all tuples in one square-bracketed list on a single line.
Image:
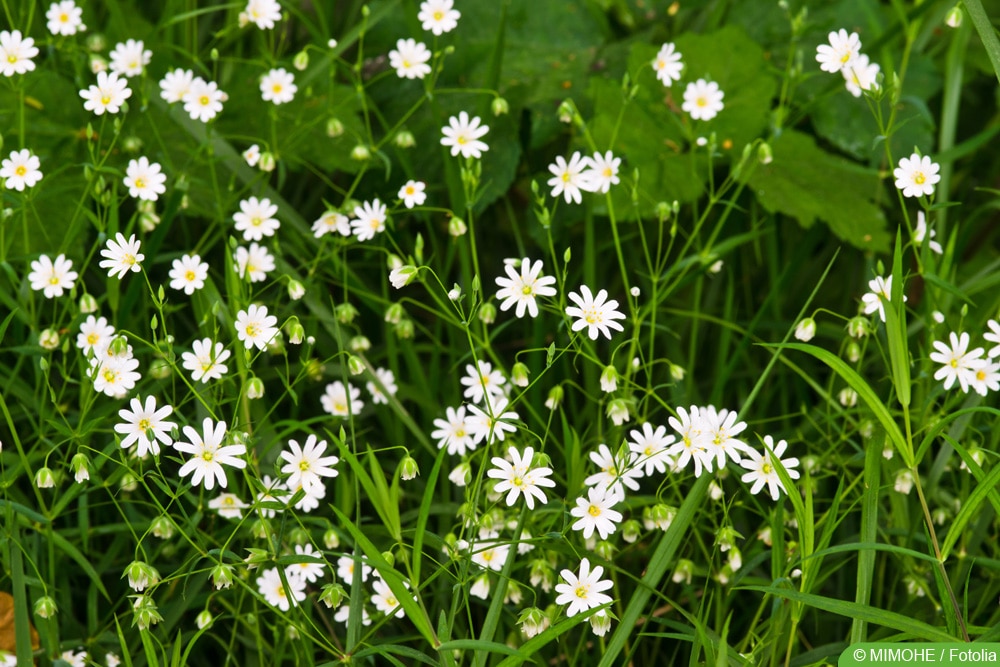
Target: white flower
[(269, 582), (114, 376), (481, 379), (762, 470), (175, 84), (188, 273), (144, 179), (603, 172), (615, 474), (256, 218), (650, 446), (718, 431), (345, 569), (329, 222), (860, 75), (278, 86), (993, 336), (485, 427), (309, 572), (369, 220), (228, 506), (667, 64), (413, 194), (522, 288), (51, 278), (916, 175), (21, 170), (454, 432), (255, 327), (987, 378), (518, 477), (336, 401), (881, 291), (595, 512), (904, 482), (842, 50), (490, 554), (569, 178), (409, 59), (77, 659), (129, 58), (255, 262), (463, 135), (385, 600), (95, 334), (203, 100), (596, 314), (121, 256), (702, 99), (957, 361), (16, 53), (438, 16), (108, 95), (387, 379), (269, 495), (311, 499), (263, 14), (689, 426), (306, 466), (583, 593), (145, 425), (252, 155), (205, 362), (920, 233), (208, 455), (65, 18)]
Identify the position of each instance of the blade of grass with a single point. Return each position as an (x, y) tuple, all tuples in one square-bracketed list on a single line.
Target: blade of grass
[(986, 32), (868, 533)]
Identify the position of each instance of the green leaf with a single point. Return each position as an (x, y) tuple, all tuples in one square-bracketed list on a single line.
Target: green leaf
[(807, 183), (889, 619), (986, 32), (868, 533), (865, 392), (895, 329), (985, 489)]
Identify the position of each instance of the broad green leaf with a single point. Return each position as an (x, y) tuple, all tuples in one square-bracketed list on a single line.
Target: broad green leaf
[(809, 184)]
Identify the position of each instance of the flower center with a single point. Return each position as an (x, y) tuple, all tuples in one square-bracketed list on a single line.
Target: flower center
[(92, 339), (140, 183), (21, 170), (526, 290), (565, 177), (980, 375), (128, 259), (461, 140), (251, 330), (844, 58), (276, 88), (766, 468), (438, 15), (64, 18), (12, 58), (189, 276), (143, 424), (582, 591), (304, 465), (410, 190), (207, 456), (105, 100), (594, 510), (919, 178), (54, 280), (953, 363), (109, 375), (702, 101), (256, 222), (204, 100)]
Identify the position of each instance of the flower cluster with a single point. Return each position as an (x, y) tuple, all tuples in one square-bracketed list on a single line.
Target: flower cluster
[(843, 54), (970, 368), (702, 98)]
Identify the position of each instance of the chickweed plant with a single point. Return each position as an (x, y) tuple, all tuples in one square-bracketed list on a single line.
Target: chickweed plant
[(474, 333)]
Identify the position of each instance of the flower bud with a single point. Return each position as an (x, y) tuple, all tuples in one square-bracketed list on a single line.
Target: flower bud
[(500, 106), (403, 276), (355, 365), (144, 612), (296, 332), (631, 530), (662, 515), (203, 619), (600, 622), (267, 162), (806, 329), (408, 468), (857, 327), (334, 128), (255, 388), (555, 397), (677, 372), (222, 576), (605, 550), (487, 313), (404, 329), (332, 595), (519, 374), (683, 571), (404, 139), (394, 313), (81, 471), (953, 18), (360, 344), (618, 411), (361, 153), (764, 154), (88, 304), (45, 607), (49, 339), (457, 227), (847, 397), (853, 352), (533, 621), (141, 575), (461, 475), (345, 313), (44, 478), (162, 528), (331, 540), (301, 60), (609, 379), (296, 290)]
